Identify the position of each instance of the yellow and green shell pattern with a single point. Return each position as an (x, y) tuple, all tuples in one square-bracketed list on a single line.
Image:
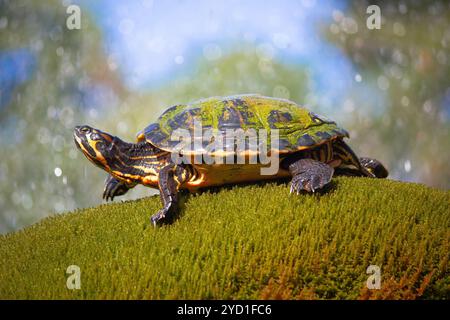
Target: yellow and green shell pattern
[(298, 127)]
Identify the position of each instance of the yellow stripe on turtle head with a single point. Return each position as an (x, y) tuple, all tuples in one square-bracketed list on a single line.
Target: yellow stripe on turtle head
[(140, 137)]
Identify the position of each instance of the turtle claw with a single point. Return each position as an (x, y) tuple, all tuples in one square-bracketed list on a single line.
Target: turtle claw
[(317, 183), (161, 217), (108, 194), (155, 220), (300, 182), (113, 188)]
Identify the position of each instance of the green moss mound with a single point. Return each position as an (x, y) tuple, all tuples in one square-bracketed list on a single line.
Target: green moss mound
[(247, 242)]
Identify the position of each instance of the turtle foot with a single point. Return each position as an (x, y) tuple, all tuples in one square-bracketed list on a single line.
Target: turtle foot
[(114, 188), (163, 216), (158, 218), (374, 166), (310, 175), (307, 181)]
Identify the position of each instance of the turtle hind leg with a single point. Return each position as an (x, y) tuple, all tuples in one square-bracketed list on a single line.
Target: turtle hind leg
[(309, 175), (374, 166), (351, 165)]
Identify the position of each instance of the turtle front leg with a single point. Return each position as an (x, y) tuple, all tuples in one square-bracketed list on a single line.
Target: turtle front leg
[(309, 175), (114, 187), (169, 180)]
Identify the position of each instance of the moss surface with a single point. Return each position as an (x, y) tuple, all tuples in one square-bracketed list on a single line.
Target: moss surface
[(242, 242)]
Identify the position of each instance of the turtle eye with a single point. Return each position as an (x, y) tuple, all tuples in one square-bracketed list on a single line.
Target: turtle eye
[(85, 130)]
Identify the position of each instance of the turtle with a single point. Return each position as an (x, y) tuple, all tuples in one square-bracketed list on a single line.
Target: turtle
[(310, 150)]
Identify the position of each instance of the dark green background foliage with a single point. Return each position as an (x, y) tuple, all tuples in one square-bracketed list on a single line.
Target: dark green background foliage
[(245, 242)]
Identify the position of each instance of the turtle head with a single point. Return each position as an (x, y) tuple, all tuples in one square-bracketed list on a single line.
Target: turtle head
[(96, 145), (125, 161)]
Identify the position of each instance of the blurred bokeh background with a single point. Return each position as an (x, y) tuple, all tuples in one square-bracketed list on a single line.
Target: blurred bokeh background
[(390, 88)]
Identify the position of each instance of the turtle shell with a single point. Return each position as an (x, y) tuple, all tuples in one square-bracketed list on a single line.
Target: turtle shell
[(298, 128)]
